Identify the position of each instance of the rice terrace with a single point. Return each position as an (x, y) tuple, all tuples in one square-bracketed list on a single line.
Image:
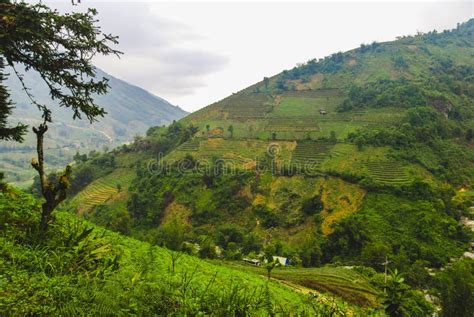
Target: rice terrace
[(341, 186)]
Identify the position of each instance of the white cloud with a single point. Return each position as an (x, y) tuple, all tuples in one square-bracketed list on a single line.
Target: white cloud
[(194, 53)]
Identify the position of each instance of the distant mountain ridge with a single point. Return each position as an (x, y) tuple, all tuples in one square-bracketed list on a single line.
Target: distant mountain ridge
[(130, 109)]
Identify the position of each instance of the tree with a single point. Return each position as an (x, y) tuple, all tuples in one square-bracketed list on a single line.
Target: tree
[(231, 131), (60, 48), (207, 248), (455, 286), (270, 266), (172, 236), (310, 252), (359, 142), (399, 62), (266, 80), (274, 135), (208, 127), (7, 133), (469, 135), (332, 137), (313, 205), (401, 300)]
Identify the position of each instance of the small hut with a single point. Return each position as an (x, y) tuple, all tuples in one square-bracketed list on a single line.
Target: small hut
[(282, 260)]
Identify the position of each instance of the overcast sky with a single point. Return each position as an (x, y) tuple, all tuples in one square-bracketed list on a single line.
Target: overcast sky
[(196, 53)]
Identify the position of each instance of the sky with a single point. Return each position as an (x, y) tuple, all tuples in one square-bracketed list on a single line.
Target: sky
[(196, 53)]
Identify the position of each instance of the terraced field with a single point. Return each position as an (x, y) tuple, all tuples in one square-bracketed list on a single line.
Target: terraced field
[(310, 154), (377, 116), (280, 124), (389, 172), (101, 190), (343, 282), (316, 93), (191, 145), (253, 106), (335, 117)]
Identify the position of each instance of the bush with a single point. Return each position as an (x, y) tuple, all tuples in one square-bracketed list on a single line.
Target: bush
[(312, 205), (455, 287)]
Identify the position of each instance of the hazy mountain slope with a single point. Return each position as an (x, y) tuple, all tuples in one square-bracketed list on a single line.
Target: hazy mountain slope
[(130, 111)]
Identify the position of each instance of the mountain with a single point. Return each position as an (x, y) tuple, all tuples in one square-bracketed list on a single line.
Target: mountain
[(131, 110), (354, 159)]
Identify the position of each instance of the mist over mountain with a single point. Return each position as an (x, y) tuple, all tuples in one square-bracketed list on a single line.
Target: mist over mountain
[(131, 110)]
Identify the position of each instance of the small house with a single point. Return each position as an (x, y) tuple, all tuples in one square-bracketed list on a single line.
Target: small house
[(252, 261), (323, 112), (282, 260)]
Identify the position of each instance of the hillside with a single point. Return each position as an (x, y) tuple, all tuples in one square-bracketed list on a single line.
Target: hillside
[(81, 269), (130, 111), (353, 159)]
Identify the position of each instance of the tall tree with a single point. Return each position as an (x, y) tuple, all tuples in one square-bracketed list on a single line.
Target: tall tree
[(60, 48), (7, 133)]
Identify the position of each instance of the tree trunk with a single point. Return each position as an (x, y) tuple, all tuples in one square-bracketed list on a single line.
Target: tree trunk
[(53, 194)]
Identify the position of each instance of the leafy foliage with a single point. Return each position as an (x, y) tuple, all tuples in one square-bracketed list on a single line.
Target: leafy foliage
[(412, 230), (83, 270), (456, 289)]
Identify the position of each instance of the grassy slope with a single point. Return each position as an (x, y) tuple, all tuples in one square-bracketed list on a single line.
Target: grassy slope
[(344, 282), (141, 269)]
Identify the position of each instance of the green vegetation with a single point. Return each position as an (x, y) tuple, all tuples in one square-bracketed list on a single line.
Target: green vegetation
[(310, 154), (375, 220), (391, 172), (83, 269), (247, 106), (404, 229), (101, 190), (456, 289), (345, 282)]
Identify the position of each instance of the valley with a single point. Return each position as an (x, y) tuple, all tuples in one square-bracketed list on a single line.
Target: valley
[(130, 112), (340, 187)]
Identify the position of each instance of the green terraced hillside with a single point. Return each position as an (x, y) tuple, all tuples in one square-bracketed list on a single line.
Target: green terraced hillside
[(348, 160), (103, 189)]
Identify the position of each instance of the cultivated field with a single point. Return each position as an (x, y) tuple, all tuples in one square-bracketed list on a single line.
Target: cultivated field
[(101, 190), (389, 172), (343, 282)]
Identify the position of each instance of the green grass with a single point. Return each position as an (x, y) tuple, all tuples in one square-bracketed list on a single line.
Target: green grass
[(289, 124), (104, 273), (237, 152), (305, 106)]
